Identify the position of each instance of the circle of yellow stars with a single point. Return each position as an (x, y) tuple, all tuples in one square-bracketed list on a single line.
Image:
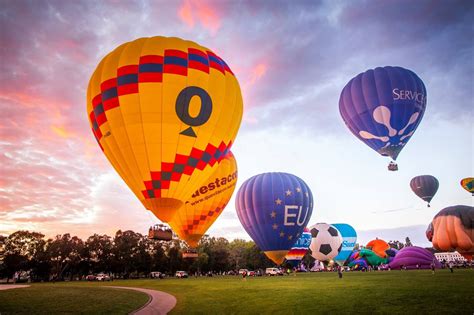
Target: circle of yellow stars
[(279, 202)]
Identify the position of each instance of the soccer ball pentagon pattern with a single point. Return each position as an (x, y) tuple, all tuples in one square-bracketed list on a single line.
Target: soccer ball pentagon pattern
[(326, 241)]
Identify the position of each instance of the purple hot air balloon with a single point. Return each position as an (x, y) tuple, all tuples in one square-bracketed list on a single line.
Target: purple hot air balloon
[(383, 107), (274, 209), (413, 256), (425, 187)]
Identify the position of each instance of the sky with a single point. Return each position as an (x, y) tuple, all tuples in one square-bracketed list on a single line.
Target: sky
[(292, 59)]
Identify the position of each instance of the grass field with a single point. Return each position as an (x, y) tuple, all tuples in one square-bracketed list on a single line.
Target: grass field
[(375, 292)]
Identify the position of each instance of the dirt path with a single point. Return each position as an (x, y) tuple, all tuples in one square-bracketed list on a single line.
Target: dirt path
[(158, 302), (13, 286)]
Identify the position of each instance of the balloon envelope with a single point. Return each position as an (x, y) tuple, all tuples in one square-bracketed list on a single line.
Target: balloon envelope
[(299, 249), (425, 187), (379, 247), (274, 209), (165, 112), (349, 239), (453, 229), (413, 257), (383, 107), (326, 241), (468, 184), (205, 205)]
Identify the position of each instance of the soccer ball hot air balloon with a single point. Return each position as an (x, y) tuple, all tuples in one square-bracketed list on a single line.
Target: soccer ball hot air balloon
[(349, 239), (453, 229), (326, 241), (468, 184), (165, 112), (383, 107), (274, 209), (299, 249), (193, 219), (425, 187)]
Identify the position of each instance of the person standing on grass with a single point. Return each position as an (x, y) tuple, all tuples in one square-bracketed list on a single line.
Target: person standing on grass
[(450, 266), (433, 268), (339, 271)]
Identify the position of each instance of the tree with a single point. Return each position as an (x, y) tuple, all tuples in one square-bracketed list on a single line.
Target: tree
[(65, 254), (99, 253), (20, 249)]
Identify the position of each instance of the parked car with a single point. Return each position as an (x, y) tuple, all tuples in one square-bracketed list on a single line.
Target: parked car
[(181, 274), (157, 275), (90, 277), (242, 271), (252, 274), (102, 277), (273, 272)]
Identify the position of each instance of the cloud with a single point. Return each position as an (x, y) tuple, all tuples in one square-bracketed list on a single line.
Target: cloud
[(206, 13)]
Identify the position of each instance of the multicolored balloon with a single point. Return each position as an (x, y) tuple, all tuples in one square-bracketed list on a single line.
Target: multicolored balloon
[(383, 107), (165, 112), (349, 239), (326, 241), (453, 229), (468, 184), (372, 258), (274, 209), (425, 187), (299, 249), (205, 205), (355, 262), (379, 247), (413, 257)]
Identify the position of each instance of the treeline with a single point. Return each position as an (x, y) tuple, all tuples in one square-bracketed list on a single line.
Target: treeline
[(125, 255)]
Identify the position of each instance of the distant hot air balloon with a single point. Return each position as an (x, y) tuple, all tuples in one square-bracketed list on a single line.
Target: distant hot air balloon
[(165, 112), (349, 239), (425, 187), (468, 184), (379, 247), (326, 241), (453, 229), (299, 249), (274, 209), (205, 205), (383, 107)]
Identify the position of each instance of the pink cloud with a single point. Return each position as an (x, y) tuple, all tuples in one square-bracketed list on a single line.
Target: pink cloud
[(203, 12)]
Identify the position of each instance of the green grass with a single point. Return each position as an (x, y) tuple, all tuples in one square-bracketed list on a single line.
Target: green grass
[(62, 298), (406, 292)]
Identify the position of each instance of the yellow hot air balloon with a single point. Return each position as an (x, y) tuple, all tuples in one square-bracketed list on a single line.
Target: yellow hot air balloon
[(468, 184), (165, 112), (206, 203)]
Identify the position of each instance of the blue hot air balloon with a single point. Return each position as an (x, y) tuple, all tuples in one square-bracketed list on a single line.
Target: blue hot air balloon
[(425, 187), (274, 209), (383, 107), (349, 239)]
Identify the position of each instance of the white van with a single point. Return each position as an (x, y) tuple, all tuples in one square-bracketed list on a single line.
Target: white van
[(273, 272)]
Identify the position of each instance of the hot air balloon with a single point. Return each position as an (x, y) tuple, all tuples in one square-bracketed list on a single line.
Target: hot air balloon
[(203, 207), (468, 184), (274, 209), (299, 249), (425, 187), (379, 247), (383, 107), (165, 112), (349, 239), (356, 262), (413, 257), (372, 258), (453, 229), (326, 241)]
